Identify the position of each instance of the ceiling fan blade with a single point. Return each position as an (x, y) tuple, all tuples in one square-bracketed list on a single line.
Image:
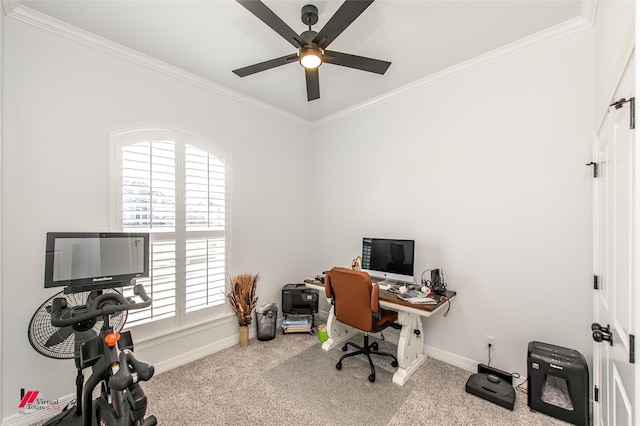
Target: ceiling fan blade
[(353, 61), (266, 65), (59, 336), (313, 84), (344, 16), (266, 15)]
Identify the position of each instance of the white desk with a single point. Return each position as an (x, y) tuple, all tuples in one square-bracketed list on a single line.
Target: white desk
[(410, 344)]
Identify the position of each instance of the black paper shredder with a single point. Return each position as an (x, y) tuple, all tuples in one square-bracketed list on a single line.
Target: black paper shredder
[(558, 382)]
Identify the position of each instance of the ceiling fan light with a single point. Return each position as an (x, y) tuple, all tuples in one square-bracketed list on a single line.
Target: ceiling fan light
[(310, 58)]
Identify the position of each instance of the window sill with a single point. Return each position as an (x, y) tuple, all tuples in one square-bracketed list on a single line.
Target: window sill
[(157, 339)]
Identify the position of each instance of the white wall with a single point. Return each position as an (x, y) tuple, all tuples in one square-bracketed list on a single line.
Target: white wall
[(61, 100), (485, 170), (2, 39)]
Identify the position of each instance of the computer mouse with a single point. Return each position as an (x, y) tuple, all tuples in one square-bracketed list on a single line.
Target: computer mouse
[(493, 379)]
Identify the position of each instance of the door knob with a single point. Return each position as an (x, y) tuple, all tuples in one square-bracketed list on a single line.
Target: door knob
[(600, 333)]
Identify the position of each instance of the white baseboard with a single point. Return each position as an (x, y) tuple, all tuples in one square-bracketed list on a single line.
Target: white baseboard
[(194, 355), (177, 361), (451, 358)]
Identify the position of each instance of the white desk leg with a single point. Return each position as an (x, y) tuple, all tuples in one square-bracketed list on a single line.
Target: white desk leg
[(337, 332), (410, 346)]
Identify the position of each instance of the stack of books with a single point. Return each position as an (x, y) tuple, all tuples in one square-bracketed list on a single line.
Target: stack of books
[(297, 324)]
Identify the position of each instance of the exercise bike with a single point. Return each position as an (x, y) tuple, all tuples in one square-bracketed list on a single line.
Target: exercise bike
[(115, 369)]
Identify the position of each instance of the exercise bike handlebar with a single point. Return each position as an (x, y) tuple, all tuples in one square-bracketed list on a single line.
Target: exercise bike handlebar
[(130, 371), (103, 305)]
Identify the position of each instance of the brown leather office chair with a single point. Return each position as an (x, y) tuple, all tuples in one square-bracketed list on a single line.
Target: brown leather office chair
[(355, 301)]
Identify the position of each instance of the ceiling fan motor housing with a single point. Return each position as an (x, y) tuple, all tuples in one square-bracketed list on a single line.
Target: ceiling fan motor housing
[(308, 36), (309, 15)]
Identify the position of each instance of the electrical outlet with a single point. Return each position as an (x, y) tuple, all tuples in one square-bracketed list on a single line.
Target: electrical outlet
[(490, 340)]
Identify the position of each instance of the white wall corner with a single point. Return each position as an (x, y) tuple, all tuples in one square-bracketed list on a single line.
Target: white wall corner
[(588, 10), (9, 6)]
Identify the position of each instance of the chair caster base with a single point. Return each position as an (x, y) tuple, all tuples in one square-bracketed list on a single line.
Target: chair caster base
[(372, 378), (339, 366), (394, 363)]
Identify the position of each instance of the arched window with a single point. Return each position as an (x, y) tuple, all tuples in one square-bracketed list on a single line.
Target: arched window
[(173, 186)]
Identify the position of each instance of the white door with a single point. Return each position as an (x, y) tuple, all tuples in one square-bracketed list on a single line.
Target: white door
[(616, 247)]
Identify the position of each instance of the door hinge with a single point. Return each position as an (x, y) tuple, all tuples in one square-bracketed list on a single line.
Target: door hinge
[(595, 168), (596, 282), (632, 110), (632, 349), (596, 394)]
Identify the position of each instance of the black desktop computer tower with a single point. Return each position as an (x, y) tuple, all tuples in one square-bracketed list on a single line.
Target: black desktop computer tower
[(558, 382), (299, 299)]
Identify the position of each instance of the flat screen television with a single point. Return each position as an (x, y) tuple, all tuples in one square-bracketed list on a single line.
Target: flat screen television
[(389, 259), (92, 260)]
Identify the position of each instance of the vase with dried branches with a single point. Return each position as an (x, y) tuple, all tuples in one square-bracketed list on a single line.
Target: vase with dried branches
[(241, 294)]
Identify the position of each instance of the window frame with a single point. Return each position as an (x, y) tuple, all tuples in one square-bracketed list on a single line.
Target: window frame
[(121, 138)]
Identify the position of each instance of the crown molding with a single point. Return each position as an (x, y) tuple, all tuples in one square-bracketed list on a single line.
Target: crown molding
[(10, 5), (527, 43), (588, 10), (15, 10)]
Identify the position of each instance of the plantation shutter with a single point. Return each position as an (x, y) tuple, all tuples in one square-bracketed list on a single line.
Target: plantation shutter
[(149, 203), (160, 286), (152, 194), (149, 185), (204, 209)]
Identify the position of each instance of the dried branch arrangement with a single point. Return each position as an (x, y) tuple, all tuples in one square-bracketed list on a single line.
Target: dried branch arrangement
[(242, 296)]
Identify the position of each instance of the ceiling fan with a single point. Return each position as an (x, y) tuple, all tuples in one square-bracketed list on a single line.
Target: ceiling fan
[(312, 45)]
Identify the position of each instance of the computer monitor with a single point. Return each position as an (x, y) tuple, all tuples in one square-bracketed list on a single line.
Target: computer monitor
[(388, 259), (95, 260)]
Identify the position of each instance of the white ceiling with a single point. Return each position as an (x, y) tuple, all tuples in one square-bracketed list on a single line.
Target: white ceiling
[(210, 38)]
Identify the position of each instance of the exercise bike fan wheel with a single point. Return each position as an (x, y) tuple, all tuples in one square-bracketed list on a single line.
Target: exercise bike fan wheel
[(63, 342)]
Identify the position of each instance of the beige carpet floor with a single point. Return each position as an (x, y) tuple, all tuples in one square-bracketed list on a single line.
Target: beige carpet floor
[(290, 380)]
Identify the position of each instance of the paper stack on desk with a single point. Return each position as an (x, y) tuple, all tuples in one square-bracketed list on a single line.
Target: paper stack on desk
[(417, 297), (422, 301)]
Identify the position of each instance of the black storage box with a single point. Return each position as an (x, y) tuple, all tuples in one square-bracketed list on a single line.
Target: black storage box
[(498, 391), (558, 382), (299, 299)]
